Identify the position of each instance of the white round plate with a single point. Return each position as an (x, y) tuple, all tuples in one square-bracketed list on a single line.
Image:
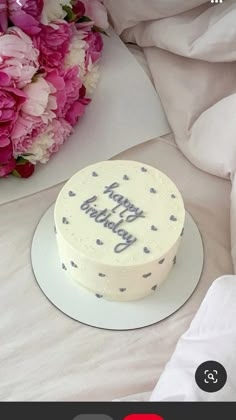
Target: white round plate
[(85, 307)]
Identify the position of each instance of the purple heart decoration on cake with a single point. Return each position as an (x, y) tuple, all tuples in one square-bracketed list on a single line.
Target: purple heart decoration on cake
[(63, 267), (101, 275), (94, 173), (99, 296), (143, 169), (146, 250), (122, 289), (99, 242), (154, 287), (153, 191), (125, 177), (65, 221), (161, 261), (71, 194), (173, 218), (174, 260), (154, 228), (182, 232), (145, 276), (73, 264), (173, 196)]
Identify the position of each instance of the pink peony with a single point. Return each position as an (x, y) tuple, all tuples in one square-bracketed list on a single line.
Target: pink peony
[(25, 131), (76, 110), (61, 129), (72, 86), (40, 100), (25, 14), (57, 80), (75, 97), (70, 94), (95, 43), (67, 85), (7, 161), (95, 10), (18, 58), (53, 43), (3, 16), (48, 141), (11, 100)]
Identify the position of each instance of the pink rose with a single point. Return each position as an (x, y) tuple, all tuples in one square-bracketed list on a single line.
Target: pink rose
[(7, 161), (53, 43), (18, 58), (95, 44), (95, 10), (25, 14), (11, 100)]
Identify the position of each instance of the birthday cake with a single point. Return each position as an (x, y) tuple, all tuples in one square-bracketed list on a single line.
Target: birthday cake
[(118, 227)]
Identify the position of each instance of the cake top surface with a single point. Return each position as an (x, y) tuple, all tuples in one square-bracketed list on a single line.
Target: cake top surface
[(120, 212)]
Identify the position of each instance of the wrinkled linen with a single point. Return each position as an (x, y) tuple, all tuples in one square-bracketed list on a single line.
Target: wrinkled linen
[(190, 49), (211, 336), (191, 54), (45, 355)]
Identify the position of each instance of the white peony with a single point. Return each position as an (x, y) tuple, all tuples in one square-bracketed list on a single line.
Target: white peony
[(39, 149), (77, 52), (53, 10), (91, 79)]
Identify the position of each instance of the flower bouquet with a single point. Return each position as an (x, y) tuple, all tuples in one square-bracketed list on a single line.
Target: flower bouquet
[(49, 53)]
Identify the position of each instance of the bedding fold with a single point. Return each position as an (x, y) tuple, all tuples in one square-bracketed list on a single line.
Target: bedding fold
[(190, 50)]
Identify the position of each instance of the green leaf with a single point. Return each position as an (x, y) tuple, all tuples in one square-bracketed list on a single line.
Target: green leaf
[(20, 160), (100, 30), (70, 17), (84, 19), (34, 78), (15, 173)]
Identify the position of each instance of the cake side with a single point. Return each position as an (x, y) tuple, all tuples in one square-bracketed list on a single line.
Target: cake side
[(119, 283)]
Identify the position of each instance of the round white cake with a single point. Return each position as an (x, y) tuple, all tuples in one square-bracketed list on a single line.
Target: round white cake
[(118, 226)]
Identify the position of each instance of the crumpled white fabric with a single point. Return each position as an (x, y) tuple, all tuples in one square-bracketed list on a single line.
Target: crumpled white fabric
[(190, 49), (211, 336)]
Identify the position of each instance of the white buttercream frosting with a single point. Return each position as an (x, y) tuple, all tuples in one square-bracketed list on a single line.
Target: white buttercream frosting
[(119, 225)]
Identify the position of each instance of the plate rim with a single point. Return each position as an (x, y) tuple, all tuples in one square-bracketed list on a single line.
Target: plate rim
[(108, 328)]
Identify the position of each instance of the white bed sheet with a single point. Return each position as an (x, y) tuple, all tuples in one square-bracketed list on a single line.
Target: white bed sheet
[(46, 356)]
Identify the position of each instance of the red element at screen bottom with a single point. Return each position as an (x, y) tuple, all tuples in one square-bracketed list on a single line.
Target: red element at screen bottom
[(143, 417)]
